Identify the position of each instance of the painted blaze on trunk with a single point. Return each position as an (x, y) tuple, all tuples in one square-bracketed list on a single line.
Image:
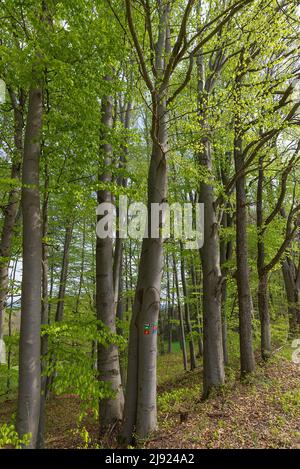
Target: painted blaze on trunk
[(140, 406)]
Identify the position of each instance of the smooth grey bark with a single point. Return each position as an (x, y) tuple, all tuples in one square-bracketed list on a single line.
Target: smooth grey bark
[(262, 294), (242, 272), (291, 277), (30, 344), (64, 271), (170, 302), (187, 310), (226, 250), (140, 404), (120, 316), (117, 269), (44, 307), (110, 409), (170, 319), (224, 290), (13, 202), (81, 277), (181, 320), (213, 362), (140, 417), (243, 285), (198, 313)]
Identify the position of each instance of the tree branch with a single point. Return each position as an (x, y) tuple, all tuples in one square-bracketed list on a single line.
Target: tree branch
[(138, 48)]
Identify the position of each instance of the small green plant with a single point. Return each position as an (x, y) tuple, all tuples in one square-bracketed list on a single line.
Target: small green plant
[(84, 436), (10, 438)]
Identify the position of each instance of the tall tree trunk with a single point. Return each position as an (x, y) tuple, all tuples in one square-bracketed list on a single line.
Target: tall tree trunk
[(11, 209), (170, 325), (181, 320), (263, 307), (198, 313), (51, 286), (213, 363), (187, 311), (226, 250), (223, 259), (120, 316), (45, 307), (170, 302), (290, 277), (263, 300), (117, 267), (81, 277), (30, 344), (110, 409), (140, 404), (244, 294), (64, 272)]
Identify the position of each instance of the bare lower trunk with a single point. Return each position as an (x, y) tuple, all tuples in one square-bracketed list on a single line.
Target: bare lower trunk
[(187, 311), (30, 346), (244, 294), (224, 321), (117, 263), (147, 344), (120, 316), (45, 309), (83, 247), (263, 299), (223, 259), (110, 409), (170, 310), (213, 363), (181, 320), (64, 273), (263, 308), (225, 255), (198, 312), (290, 276), (140, 405), (170, 328)]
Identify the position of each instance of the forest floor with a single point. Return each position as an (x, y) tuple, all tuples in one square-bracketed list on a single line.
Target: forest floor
[(263, 412)]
